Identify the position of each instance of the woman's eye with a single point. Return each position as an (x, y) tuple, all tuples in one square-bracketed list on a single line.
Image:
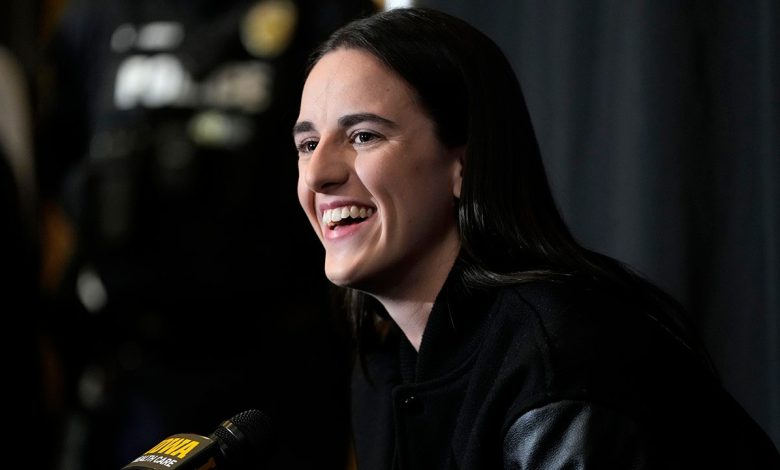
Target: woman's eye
[(307, 146), (363, 137)]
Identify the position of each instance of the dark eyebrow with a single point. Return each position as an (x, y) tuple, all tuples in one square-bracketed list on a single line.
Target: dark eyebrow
[(345, 121), (303, 126), (352, 119)]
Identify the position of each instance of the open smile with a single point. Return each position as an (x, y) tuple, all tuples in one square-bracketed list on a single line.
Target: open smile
[(347, 215)]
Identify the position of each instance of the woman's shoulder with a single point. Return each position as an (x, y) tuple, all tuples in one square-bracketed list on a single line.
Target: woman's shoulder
[(566, 305), (585, 308), (584, 336), (578, 347)]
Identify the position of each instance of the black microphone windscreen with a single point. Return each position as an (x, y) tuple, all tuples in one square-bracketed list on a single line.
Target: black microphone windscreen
[(239, 443), (244, 438)]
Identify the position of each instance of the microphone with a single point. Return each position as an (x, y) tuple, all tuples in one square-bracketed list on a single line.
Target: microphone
[(238, 443)]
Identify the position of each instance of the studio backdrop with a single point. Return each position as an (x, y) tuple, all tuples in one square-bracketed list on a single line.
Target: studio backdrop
[(658, 124)]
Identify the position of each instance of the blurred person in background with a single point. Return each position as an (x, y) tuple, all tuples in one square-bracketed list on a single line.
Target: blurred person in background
[(189, 289), (28, 403)]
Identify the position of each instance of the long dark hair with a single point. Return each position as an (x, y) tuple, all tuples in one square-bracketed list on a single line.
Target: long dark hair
[(510, 228)]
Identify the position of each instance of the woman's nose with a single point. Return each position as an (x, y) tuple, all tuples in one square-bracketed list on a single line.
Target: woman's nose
[(327, 167)]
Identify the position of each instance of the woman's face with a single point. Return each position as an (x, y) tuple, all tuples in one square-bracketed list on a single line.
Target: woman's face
[(375, 182)]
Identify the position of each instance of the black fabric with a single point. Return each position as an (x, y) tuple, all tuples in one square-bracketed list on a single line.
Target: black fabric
[(529, 348), (658, 124)]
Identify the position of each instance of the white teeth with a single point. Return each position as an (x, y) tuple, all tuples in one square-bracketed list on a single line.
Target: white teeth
[(333, 216)]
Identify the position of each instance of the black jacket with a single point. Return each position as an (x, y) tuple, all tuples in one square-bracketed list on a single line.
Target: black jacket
[(546, 376)]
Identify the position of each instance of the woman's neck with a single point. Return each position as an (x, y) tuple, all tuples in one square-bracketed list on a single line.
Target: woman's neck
[(410, 302), (410, 316)]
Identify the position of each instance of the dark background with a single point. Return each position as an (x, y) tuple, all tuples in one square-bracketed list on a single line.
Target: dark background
[(167, 279), (658, 122)]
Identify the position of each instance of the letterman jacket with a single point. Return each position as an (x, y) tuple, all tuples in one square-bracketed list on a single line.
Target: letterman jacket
[(547, 376)]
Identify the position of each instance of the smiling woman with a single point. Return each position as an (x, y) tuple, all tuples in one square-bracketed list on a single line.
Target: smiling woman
[(488, 336), (371, 147)]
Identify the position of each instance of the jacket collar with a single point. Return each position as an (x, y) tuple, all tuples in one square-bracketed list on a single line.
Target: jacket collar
[(451, 335)]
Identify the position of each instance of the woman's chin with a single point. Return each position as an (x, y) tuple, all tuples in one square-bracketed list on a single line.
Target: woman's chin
[(339, 278)]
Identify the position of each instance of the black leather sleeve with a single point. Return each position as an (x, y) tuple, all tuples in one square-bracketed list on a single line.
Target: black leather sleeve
[(576, 435)]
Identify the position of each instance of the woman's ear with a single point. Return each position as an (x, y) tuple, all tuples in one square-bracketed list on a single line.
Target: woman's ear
[(459, 156)]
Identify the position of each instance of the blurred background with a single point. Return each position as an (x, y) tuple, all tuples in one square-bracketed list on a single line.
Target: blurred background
[(157, 274), (166, 274), (659, 124)]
